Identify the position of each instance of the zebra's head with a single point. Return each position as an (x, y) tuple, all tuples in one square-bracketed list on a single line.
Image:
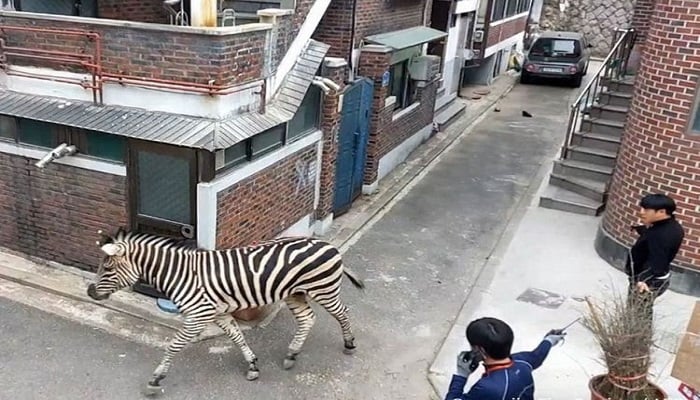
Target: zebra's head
[(116, 271)]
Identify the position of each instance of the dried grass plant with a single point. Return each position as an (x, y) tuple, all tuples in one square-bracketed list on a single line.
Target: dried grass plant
[(625, 334)]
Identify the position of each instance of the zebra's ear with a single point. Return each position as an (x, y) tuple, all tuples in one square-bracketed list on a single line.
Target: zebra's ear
[(112, 249)]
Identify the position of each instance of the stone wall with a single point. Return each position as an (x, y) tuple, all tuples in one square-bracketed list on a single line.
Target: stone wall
[(597, 19)]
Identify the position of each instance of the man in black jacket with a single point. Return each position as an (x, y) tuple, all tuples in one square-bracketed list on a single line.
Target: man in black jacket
[(649, 260)]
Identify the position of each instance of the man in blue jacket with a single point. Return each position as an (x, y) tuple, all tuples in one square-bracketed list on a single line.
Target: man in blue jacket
[(507, 376)]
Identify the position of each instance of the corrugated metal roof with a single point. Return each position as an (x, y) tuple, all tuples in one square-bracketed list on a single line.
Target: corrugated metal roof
[(210, 134), (405, 38)]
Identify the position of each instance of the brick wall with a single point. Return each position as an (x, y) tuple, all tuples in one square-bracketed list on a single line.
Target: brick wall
[(657, 155), (371, 17), (243, 210), (198, 58), (330, 125), (501, 32), (641, 16), (385, 133), (55, 213), (133, 10), (335, 28)]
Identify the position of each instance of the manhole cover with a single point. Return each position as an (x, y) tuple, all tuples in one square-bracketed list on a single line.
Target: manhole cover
[(542, 298)]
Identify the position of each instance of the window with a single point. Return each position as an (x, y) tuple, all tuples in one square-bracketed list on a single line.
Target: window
[(104, 145), (561, 48), (43, 134), (267, 141), (36, 133), (695, 113), (164, 187), (400, 85), (523, 6), (236, 154), (499, 9), (8, 127), (512, 7), (308, 115)]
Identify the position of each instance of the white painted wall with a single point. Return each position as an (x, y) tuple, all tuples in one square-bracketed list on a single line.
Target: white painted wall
[(197, 105), (465, 6), (207, 192)]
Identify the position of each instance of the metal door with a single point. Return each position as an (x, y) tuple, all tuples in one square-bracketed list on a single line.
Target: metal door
[(352, 144)]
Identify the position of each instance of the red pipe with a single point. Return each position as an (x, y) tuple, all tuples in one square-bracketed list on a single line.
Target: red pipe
[(52, 79), (45, 30), (171, 84), (38, 57)]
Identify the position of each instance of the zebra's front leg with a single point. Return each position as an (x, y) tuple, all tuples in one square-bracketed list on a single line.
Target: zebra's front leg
[(193, 325), (229, 325)]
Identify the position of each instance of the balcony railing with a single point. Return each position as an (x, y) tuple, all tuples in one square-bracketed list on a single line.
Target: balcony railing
[(200, 60)]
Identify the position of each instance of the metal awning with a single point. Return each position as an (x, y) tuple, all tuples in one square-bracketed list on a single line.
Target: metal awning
[(197, 132), (405, 38)]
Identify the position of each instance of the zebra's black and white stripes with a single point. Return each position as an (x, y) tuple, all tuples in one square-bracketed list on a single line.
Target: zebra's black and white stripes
[(207, 286)]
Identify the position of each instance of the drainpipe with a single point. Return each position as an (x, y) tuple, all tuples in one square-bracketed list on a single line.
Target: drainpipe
[(351, 74), (203, 13)]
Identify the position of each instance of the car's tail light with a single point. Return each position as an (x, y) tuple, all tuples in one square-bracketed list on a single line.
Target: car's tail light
[(573, 69), (531, 67)]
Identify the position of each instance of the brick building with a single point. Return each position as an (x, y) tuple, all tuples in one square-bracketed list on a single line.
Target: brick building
[(386, 43), (659, 148), (500, 30), (194, 124)]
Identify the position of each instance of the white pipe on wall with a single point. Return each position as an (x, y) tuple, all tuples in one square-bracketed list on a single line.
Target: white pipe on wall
[(203, 13)]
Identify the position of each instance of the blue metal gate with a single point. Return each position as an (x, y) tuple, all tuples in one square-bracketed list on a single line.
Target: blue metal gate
[(352, 144)]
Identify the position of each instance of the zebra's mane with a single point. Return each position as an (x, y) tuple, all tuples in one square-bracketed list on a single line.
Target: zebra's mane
[(161, 241)]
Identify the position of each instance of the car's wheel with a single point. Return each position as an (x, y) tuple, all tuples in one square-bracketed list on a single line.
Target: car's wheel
[(576, 80), (525, 78)]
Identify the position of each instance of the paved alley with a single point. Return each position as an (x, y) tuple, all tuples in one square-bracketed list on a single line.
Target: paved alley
[(417, 261)]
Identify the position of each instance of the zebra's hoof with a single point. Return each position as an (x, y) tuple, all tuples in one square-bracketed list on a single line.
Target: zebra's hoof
[(151, 390), (288, 363), (349, 350), (252, 375)]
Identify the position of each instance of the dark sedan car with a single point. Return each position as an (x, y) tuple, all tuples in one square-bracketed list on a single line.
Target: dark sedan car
[(557, 55)]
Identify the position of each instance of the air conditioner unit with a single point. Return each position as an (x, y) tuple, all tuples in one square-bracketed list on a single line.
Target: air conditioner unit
[(478, 36), (424, 68)]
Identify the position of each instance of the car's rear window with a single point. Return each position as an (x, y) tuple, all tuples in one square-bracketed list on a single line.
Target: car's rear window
[(551, 47)]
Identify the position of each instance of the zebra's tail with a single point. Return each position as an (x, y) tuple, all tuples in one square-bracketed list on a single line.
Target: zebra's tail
[(355, 280)]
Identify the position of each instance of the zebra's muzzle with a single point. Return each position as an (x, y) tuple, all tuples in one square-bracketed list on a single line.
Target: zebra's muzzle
[(92, 292)]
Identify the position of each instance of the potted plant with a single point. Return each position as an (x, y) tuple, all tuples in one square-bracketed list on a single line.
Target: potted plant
[(623, 329)]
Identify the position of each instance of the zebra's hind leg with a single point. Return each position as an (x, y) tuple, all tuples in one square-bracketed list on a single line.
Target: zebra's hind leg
[(193, 325), (331, 302), (229, 325), (305, 318)]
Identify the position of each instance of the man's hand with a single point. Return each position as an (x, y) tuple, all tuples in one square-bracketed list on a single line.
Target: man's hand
[(466, 363), (643, 287), (555, 336)]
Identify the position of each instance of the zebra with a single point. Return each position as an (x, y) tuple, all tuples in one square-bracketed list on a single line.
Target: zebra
[(208, 285)]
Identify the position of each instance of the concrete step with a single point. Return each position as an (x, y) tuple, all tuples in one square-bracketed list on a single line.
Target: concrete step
[(609, 112), (604, 126), (449, 113), (596, 141), (625, 85), (591, 189), (592, 155), (581, 169), (557, 198), (616, 98)]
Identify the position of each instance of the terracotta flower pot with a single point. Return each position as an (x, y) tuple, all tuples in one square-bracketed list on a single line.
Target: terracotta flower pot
[(595, 395)]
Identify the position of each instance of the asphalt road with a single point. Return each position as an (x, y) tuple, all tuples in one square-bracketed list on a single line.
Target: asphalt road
[(417, 261)]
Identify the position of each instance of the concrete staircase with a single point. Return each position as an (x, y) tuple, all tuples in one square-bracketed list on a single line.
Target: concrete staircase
[(580, 178)]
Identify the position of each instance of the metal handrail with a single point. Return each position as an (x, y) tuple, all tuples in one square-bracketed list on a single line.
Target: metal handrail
[(614, 66)]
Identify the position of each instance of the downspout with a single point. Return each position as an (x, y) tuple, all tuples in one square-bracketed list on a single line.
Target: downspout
[(351, 59), (487, 28)]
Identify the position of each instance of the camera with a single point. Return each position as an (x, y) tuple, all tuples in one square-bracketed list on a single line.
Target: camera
[(472, 358)]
